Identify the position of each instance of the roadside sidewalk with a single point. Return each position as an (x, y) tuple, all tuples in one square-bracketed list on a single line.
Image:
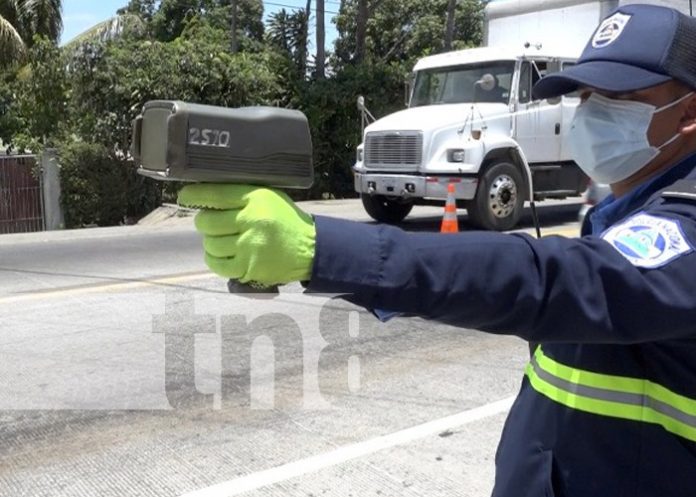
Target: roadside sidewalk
[(172, 217)]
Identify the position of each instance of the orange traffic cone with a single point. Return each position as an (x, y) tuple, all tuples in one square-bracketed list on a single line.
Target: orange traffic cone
[(449, 220)]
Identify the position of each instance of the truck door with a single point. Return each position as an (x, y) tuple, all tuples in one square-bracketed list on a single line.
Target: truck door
[(538, 123)]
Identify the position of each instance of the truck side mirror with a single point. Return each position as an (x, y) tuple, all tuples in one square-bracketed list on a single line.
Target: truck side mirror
[(361, 103), (487, 82)]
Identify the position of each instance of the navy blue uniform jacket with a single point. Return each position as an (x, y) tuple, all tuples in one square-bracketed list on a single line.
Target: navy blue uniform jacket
[(619, 301)]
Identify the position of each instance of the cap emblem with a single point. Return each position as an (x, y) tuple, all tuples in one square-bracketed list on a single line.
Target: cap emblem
[(610, 29)]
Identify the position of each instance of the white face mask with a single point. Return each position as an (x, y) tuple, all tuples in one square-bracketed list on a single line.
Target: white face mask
[(609, 138)]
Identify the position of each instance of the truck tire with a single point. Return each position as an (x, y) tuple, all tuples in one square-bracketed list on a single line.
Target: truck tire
[(500, 198), (386, 210)]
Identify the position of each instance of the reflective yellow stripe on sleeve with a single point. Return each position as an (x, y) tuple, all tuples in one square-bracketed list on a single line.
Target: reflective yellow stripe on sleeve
[(613, 396)]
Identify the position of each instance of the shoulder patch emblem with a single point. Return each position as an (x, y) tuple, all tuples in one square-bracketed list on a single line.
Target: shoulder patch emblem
[(610, 30), (648, 241)]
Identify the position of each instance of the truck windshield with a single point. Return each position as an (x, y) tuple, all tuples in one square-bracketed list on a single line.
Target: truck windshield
[(457, 84)]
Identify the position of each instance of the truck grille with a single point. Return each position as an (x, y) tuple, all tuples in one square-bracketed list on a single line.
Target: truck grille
[(393, 149)]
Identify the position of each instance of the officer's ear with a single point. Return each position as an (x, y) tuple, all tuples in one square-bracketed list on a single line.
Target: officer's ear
[(687, 126)]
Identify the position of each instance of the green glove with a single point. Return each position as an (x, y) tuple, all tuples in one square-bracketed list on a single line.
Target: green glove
[(252, 234)]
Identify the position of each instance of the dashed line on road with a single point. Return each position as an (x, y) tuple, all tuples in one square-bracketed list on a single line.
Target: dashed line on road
[(346, 453), (104, 287)]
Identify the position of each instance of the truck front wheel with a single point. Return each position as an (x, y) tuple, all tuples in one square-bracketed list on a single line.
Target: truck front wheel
[(386, 210), (500, 198)]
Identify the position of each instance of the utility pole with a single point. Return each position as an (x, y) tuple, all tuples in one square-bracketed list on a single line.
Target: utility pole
[(320, 70), (233, 27), (361, 31), (449, 29)]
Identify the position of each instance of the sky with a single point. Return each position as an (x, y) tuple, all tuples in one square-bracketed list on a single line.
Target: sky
[(80, 15)]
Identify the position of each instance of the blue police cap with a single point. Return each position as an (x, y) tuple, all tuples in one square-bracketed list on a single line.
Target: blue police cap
[(635, 47)]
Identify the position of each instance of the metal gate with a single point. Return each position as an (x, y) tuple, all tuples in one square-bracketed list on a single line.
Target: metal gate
[(21, 199)]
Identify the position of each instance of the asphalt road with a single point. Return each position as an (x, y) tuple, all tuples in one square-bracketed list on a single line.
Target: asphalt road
[(126, 369)]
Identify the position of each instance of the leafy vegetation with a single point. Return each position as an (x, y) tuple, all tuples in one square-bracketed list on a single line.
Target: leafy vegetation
[(82, 97), (21, 21)]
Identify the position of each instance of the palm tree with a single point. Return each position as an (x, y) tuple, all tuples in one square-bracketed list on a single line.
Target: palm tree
[(289, 33), (109, 29), (280, 31), (20, 20)]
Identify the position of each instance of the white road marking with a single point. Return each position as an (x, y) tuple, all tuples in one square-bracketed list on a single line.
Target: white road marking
[(346, 453), (104, 287)]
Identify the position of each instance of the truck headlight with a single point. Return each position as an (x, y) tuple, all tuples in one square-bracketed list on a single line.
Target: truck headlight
[(359, 155), (456, 155)]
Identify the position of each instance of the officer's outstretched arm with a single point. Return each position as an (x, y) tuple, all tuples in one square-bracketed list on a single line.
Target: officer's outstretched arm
[(553, 289)]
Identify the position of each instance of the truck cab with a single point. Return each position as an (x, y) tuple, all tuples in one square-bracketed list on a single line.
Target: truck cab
[(471, 121)]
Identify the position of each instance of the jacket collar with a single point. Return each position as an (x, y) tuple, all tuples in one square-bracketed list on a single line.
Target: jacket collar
[(611, 210)]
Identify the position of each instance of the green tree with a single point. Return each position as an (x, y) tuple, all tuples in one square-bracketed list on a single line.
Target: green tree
[(330, 107), (41, 97), (96, 189), (250, 28), (21, 20), (86, 99), (33, 100), (144, 9), (11, 123), (404, 30), (288, 34), (134, 21), (199, 69), (173, 16), (135, 71)]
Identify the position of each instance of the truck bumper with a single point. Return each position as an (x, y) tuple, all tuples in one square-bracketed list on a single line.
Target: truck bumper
[(406, 186)]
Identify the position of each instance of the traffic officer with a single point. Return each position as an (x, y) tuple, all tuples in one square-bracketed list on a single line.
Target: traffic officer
[(607, 405)]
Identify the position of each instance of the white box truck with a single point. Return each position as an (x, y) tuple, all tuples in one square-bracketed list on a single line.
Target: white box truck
[(472, 121)]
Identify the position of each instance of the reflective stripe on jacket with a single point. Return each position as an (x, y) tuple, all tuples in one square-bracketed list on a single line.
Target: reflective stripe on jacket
[(615, 396)]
